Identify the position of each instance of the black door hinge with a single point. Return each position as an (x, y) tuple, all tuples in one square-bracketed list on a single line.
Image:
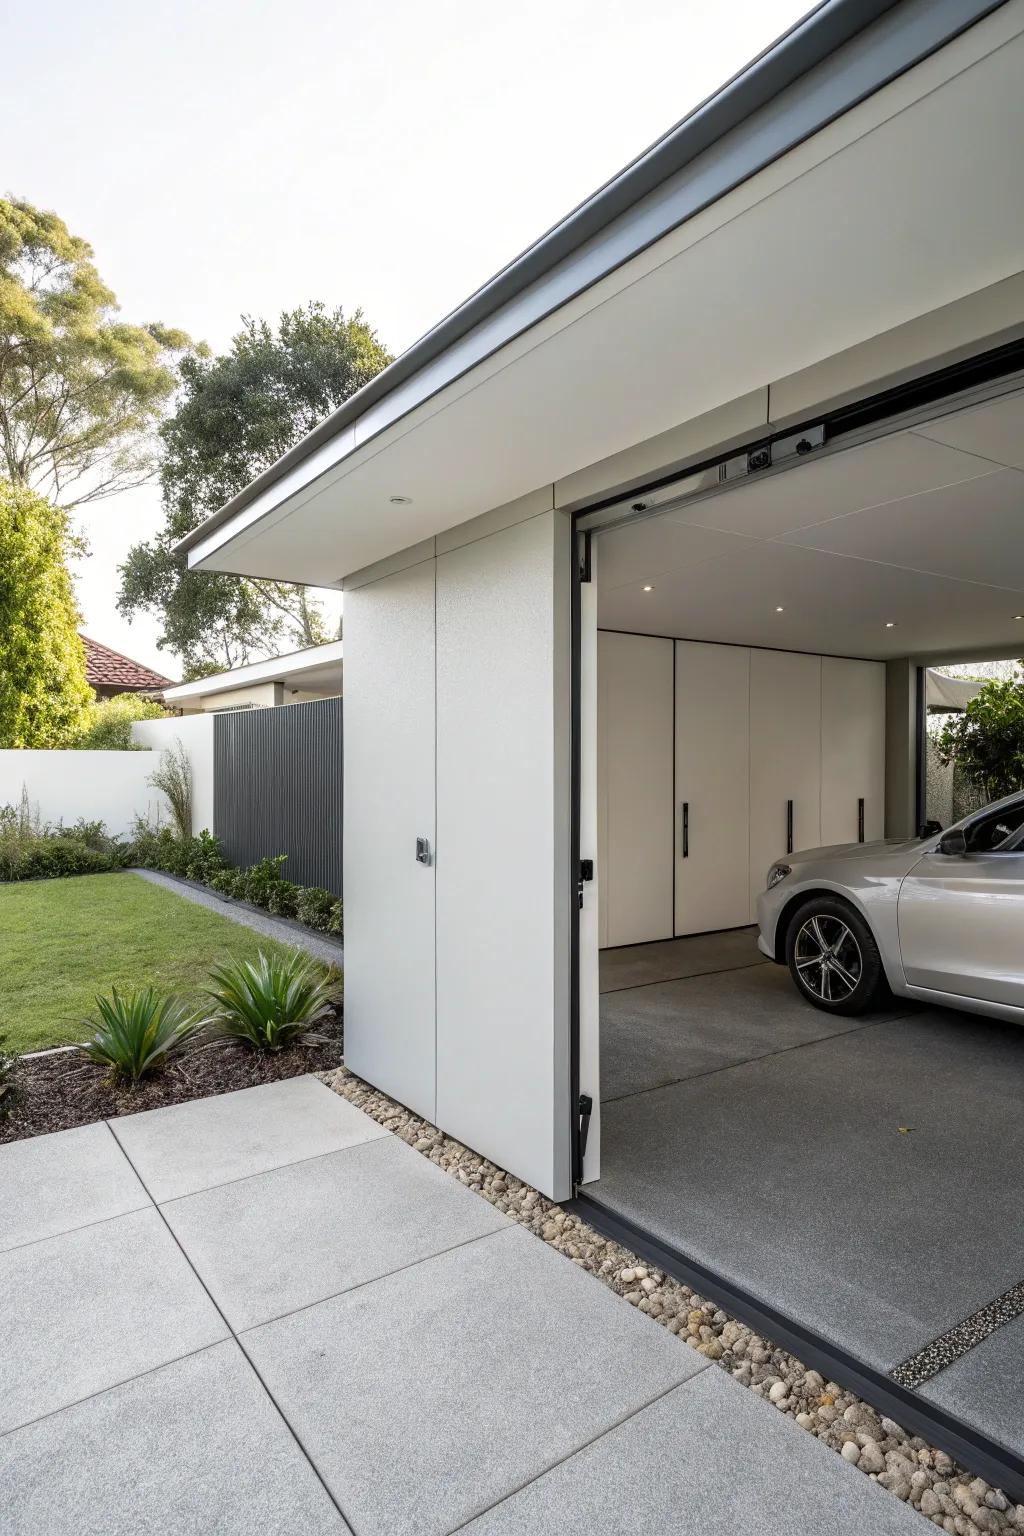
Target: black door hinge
[(586, 1110), (586, 873)]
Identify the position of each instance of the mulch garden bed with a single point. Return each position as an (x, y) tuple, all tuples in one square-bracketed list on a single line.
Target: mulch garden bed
[(64, 1090)]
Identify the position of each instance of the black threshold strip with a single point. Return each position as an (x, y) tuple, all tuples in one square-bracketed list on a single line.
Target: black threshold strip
[(978, 1452), (963, 1336)]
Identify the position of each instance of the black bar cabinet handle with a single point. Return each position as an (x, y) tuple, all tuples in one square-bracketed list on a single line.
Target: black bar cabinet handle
[(686, 829), (789, 826), (860, 819)]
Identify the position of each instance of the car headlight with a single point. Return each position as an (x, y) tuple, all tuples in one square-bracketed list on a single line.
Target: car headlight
[(776, 873)]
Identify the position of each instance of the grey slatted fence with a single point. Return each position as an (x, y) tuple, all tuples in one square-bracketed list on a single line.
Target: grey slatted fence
[(277, 788)]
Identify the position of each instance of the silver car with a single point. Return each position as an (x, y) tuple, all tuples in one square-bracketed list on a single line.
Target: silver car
[(939, 918)]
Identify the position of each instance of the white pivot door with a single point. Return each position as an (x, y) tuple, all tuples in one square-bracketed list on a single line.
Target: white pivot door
[(785, 757), (389, 804), (712, 810)]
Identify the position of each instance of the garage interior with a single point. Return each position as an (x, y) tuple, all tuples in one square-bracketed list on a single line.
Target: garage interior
[(759, 650)]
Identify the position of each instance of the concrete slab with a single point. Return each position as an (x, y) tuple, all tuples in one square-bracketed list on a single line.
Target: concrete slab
[(791, 1176), (191, 1448), (425, 1397), (187, 1147), (50, 1184), (637, 965), (91, 1308), (655, 1035), (267, 1245), (986, 1386), (708, 1457)]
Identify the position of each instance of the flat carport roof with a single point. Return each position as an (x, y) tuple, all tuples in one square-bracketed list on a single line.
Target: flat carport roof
[(852, 181)]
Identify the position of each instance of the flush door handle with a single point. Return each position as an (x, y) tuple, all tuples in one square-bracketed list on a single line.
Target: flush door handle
[(423, 850)]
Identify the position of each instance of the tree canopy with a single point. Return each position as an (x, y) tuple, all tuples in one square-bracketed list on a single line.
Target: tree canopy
[(236, 415), (987, 740), (43, 691), (80, 389)]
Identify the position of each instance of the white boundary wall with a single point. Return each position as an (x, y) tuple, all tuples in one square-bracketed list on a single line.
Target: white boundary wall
[(195, 732), (99, 786)]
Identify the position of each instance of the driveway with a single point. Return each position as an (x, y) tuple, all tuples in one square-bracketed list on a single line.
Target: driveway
[(863, 1176), (262, 1312)]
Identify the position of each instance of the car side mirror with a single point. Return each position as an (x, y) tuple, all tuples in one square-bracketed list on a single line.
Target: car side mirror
[(953, 843)]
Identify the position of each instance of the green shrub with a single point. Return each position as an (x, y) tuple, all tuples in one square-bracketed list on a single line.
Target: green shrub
[(204, 857), (269, 1002), (336, 921), (33, 850), (313, 907), (10, 1093), (228, 882), (194, 858), (283, 898), (260, 879), (108, 723), (139, 1032)]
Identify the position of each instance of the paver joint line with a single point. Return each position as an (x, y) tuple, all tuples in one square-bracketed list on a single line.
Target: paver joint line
[(231, 1332), (350, 1290), (485, 1509)]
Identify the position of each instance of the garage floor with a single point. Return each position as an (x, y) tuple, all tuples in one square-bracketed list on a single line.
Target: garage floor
[(863, 1176)]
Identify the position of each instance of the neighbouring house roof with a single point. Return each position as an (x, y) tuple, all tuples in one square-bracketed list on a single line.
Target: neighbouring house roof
[(314, 667), (107, 668)]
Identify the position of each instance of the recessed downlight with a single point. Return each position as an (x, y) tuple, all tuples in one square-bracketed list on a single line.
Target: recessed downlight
[(890, 623), (1019, 615), (648, 588), (400, 501), (780, 609)]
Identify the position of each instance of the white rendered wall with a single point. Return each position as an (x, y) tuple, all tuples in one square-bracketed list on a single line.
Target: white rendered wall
[(503, 884), (195, 732), (98, 786)]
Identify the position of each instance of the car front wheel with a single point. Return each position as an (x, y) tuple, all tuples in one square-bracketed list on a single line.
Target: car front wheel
[(833, 958)]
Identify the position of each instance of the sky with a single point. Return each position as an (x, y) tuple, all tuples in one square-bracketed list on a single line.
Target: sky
[(228, 158)]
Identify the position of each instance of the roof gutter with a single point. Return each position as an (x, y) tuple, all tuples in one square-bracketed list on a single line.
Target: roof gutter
[(808, 43)]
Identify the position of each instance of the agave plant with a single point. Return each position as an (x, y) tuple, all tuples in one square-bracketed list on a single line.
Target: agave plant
[(270, 1001), (139, 1032)]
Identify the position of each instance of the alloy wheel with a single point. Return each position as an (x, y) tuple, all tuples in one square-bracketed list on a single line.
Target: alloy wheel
[(828, 958)]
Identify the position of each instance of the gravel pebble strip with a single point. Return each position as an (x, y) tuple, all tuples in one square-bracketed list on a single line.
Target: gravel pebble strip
[(950, 1346), (907, 1465)]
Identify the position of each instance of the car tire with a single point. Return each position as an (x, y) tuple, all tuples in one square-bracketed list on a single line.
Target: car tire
[(833, 958)]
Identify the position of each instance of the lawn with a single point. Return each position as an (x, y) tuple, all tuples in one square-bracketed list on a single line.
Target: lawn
[(64, 941)]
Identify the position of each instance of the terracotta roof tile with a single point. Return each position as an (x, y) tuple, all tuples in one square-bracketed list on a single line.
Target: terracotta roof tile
[(105, 668)]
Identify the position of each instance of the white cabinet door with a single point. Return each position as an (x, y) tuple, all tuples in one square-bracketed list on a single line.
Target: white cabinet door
[(635, 787), (785, 757), (712, 809), (852, 749), (388, 804)]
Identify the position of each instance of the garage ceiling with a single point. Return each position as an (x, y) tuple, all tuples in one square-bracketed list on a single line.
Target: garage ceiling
[(922, 530)]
